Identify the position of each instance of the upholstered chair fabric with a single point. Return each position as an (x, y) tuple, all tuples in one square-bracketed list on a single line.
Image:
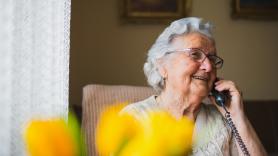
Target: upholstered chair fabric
[(97, 97)]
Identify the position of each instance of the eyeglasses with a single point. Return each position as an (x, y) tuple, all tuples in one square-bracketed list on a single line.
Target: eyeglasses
[(199, 55)]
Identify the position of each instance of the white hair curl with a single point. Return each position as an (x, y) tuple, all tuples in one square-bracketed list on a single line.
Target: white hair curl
[(162, 45)]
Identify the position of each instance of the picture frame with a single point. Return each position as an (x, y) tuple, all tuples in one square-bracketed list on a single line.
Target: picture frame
[(255, 9), (153, 11)]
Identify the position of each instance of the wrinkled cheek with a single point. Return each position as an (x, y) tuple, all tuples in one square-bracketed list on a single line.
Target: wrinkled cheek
[(212, 79), (192, 68)]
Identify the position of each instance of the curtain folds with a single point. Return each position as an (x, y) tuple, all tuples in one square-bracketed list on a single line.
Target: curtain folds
[(34, 66)]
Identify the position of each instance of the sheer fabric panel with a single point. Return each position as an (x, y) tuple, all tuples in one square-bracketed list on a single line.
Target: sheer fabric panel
[(34, 66)]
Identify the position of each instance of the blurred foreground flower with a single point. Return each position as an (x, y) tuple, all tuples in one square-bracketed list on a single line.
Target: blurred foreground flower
[(114, 131), (159, 135), (54, 137)]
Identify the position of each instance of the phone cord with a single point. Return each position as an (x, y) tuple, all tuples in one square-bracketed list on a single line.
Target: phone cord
[(235, 132)]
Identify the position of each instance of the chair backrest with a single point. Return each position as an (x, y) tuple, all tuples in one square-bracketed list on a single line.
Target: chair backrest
[(97, 97)]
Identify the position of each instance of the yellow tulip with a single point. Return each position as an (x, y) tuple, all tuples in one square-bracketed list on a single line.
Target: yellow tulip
[(163, 136), (49, 138), (54, 137), (114, 130), (159, 135)]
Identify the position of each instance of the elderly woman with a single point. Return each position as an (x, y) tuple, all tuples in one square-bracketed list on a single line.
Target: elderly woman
[(182, 66)]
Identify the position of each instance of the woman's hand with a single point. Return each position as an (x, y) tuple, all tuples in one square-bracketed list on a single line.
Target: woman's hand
[(235, 103), (235, 106)]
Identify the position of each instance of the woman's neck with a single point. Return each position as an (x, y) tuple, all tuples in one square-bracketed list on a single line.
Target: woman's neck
[(179, 105)]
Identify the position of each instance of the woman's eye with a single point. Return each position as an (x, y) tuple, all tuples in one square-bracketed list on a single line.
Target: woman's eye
[(196, 55)]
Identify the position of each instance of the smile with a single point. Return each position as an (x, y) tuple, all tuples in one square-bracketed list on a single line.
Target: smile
[(200, 78)]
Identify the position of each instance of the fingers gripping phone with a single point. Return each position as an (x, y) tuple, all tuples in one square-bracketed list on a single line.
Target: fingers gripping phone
[(221, 99)]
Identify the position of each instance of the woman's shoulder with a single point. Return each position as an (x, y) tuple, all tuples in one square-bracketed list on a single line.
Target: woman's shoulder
[(142, 105), (214, 117), (142, 108), (212, 112)]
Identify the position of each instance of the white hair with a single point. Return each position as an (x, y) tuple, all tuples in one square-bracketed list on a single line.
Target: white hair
[(162, 45)]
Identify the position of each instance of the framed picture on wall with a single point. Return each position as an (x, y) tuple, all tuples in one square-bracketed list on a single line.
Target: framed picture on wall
[(154, 11), (256, 9)]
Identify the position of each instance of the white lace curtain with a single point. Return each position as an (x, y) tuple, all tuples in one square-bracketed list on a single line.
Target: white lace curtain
[(34, 66)]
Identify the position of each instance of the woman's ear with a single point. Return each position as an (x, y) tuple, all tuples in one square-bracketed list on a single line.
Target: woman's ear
[(161, 67)]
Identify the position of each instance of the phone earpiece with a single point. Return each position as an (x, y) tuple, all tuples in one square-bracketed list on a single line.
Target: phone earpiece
[(220, 97)]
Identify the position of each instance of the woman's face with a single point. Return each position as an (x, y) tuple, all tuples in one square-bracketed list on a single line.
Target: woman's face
[(185, 75)]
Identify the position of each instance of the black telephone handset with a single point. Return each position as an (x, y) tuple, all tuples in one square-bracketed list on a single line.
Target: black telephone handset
[(221, 99)]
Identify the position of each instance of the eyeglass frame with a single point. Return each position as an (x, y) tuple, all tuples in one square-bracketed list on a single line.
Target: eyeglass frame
[(206, 56)]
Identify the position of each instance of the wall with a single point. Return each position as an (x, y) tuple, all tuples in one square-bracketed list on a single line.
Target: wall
[(107, 52)]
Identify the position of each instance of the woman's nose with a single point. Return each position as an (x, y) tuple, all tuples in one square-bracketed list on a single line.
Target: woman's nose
[(206, 65)]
